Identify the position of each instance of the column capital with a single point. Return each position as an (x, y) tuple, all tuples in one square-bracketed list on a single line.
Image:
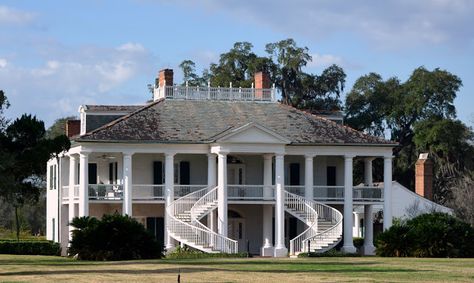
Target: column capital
[(386, 158), (128, 153), (309, 155), (268, 156), (349, 156), (369, 159), (72, 157), (169, 154), (279, 155), (211, 155), (84, 153)]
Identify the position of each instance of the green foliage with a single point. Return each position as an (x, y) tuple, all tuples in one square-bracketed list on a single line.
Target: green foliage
[(189, 253), (330, 253), (419, 114), (114, 237), (29, 247), (358, 242), (58, 128), (284, 65), (428, 235)]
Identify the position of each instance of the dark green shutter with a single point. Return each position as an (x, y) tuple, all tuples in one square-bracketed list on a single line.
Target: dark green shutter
[(157, 172), (184, 173)]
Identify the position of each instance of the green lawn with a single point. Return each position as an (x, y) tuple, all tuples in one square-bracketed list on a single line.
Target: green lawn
[(359, 269)]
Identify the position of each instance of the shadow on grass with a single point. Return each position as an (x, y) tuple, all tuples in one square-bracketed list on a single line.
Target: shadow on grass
[(200, 269)]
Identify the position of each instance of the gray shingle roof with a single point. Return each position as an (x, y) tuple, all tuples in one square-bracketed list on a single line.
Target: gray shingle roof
[(187, 121)]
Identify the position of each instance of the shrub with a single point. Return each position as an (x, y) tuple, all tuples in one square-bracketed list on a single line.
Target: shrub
[(190, 253), (115, 237), (29, 247), (358, 242), (331, 253), (428, 235)]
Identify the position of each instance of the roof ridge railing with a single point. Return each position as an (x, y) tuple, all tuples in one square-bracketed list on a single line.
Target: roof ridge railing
[(230, 93)]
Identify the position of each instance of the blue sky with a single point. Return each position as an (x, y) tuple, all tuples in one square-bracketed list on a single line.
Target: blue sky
[(57, 55)]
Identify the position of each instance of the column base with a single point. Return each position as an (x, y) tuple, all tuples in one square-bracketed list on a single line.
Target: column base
[(368, 250), (280, 252), (170, 249), (267, 251), (349, 249)]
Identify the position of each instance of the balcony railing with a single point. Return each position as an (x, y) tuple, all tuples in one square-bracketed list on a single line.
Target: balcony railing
[(215, 93), (147, 192), (297, 190), (65, 192), (366, 193), (105, 192), (328, 193), (250, 192), (182, 190)]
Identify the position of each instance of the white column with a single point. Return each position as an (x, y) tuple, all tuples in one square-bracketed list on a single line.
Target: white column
[(348, 246), (267, 177), (368, 171), (84, 184), (211, 183), (280, 248), (222, 194), (387, 192), (267, 248), (308, 176), (72, 182), (368, 248), (169, 193), (127, 184)]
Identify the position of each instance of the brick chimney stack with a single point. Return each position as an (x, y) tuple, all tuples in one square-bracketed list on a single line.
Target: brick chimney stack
[(424, 176), (262, 81), (73, 128), (165, 77)]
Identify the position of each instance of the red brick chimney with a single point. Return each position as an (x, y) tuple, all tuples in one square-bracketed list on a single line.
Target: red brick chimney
[(424, 176), (73, 128), (262, 81), (165, 77)]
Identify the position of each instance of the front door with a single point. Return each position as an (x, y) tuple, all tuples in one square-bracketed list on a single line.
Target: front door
[(236, 231)]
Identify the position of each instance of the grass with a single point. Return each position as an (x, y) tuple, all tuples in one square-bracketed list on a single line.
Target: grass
[(14, 268)]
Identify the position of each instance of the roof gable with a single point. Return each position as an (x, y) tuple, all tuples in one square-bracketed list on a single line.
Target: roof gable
[(251, 133)]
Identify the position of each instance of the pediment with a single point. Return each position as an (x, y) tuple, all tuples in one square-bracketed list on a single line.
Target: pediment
[(252, 133)]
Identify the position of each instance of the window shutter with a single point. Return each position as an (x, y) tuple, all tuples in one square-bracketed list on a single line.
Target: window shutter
[(184, 173), (294, 174), (157, 172)]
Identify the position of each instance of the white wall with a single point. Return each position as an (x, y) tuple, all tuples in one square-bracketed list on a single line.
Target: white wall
[(52, 196)]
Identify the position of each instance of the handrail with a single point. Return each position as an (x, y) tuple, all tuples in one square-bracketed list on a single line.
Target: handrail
[(305, 208), (191, 234), (215, 93)]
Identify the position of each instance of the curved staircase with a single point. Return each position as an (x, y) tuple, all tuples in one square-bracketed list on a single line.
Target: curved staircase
[(324, 225), (184, 214), (181, 227)]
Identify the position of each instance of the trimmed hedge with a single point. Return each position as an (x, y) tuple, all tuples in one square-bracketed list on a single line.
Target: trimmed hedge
[(29, 247), (428, 235), (114, 237), (188, 253)]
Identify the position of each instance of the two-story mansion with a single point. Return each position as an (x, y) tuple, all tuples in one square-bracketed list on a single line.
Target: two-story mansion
[(220, 170)]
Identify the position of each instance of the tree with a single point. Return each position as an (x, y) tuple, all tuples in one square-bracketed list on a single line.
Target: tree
[(415, 113), (25, 151), (59, 127), (3, 105)]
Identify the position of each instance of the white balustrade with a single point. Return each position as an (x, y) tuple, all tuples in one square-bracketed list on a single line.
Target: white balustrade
[(368, 193), (65, 193), (105, 192), (76, 192), (147, 192), (328, 193), (182, 190), (297, 190), (215, 93), (193, 233), (249, 192)]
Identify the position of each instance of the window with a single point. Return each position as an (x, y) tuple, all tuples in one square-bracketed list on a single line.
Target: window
[(184, 173), (158, 176), (156, 226), (92, 173), (294, 174), (331, 176), (53, 229), (51, 177)]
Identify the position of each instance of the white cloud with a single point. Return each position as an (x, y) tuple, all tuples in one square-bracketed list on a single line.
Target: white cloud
[(390, 23), (72, 77), (10, 16), (3, 63), (324, 60)]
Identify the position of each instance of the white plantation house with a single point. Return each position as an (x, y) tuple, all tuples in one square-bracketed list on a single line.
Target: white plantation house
[(220, 170)]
